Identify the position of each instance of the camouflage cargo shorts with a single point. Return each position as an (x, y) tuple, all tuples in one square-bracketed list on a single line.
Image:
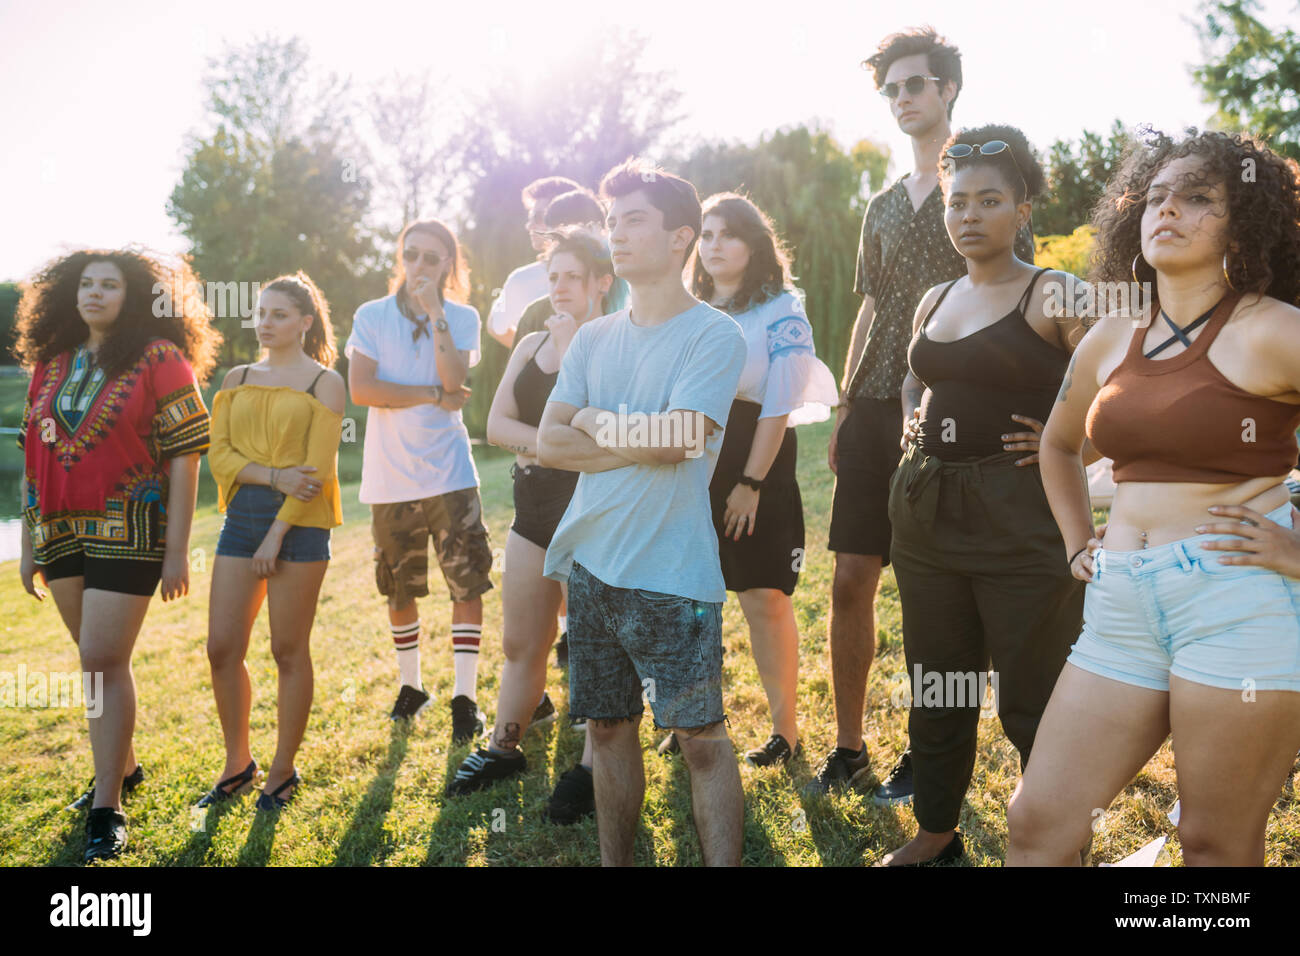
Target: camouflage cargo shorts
[(402, 530)]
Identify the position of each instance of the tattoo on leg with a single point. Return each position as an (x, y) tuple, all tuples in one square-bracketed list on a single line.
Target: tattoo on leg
[(509, 737)]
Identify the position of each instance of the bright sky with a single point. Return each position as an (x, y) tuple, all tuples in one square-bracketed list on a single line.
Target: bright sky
[(97, 97)]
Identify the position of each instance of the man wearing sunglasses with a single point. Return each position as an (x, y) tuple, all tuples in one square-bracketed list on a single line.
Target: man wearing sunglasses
[(527, 283), (904, 251)]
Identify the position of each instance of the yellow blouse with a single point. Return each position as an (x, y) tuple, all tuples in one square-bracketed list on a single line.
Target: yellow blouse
[(278, 427)]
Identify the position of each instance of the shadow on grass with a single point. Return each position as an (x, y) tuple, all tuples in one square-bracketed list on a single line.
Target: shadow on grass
[(71, 843), (196, 850), (363, 843), (261, 839)]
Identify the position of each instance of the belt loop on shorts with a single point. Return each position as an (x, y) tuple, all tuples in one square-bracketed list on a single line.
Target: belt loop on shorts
[(1183, 559)]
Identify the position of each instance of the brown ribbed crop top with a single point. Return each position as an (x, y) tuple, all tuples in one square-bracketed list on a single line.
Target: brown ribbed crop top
[(1179, 419)]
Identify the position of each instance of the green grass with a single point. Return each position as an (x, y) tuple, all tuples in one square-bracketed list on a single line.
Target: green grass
[(372, 794)]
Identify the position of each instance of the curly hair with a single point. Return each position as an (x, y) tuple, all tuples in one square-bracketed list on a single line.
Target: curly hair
[(1019, 165), (49, 324), (309, 300), (943, 57), (767, 274), (1263, 252)]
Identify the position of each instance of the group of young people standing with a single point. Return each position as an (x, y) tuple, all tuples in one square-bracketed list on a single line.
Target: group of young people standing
[(650, 310)]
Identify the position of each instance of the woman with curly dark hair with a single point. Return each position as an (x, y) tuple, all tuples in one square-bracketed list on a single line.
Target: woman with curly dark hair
[(742, 267), (974, 543), (112, 432), (1197, 403), (275, 440)]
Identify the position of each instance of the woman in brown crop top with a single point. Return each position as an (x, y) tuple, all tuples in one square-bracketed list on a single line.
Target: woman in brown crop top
[(1176, 636)]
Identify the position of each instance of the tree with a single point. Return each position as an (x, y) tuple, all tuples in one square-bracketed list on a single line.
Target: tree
[(1251, 74), (416, 172), (1077, 174), (582, 116), (277, 185), (816, 194)]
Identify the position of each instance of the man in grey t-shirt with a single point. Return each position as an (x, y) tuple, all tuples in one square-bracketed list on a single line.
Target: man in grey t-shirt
[(638, 409)]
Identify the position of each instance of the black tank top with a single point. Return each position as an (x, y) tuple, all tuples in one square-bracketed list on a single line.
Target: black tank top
[(533, 388), (976, 382)]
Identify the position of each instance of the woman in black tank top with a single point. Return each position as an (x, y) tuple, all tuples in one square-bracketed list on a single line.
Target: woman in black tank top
[(975, 550), (580, 275)]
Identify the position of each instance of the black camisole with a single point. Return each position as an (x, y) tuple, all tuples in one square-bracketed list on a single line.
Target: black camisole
[(978, 381), (533, 388)]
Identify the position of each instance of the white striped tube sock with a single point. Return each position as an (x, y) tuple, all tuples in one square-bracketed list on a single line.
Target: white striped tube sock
[(465, 640), (406, 640)]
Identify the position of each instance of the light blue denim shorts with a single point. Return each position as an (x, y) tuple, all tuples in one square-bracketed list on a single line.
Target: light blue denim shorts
[(1174, 609)]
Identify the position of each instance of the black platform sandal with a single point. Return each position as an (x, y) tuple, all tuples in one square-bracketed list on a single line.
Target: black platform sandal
[(273, 800)]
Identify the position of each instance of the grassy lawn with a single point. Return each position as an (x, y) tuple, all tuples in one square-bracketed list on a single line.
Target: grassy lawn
[(372, 793)]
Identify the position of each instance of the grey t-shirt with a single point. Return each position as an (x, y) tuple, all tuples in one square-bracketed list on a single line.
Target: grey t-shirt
[(649, 526)]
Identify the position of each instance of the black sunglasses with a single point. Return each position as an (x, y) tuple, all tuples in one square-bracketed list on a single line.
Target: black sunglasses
[(430, 258), (913, 85), (992, 148)]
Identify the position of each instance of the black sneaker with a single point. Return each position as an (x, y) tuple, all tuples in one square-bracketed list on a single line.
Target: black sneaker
[(669, 746), (410, 701), (897, 787), (129, 783), (775, 751), (466, 721), (573, 799), (562, 651), (483, 768), (105, 834), (545, 712), (842, 768)]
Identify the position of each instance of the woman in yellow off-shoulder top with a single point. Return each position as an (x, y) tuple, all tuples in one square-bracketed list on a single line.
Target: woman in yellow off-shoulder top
[(275, 435)]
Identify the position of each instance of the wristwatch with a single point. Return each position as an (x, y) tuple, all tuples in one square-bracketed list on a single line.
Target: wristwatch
[(440, 325), (748, 482)]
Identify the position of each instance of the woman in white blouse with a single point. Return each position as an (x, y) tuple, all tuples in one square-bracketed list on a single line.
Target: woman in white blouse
[(742, 267)]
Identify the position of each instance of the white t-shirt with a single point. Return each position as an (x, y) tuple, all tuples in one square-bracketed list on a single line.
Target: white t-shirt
[(523, 287), (421, 451)]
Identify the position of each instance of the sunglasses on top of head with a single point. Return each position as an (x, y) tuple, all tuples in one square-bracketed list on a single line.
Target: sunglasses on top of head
[(430, 258), (992, 148), (913, 84)]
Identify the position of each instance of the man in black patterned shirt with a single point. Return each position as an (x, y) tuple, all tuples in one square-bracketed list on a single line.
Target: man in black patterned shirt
[(904, 251)]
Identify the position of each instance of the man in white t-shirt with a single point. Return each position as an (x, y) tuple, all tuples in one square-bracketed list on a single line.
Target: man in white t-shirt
[(642, 397), (408, 358), (527, 283)]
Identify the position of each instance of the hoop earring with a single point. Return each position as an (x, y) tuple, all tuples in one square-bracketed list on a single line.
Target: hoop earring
[(1134, 270), (1227, 278)]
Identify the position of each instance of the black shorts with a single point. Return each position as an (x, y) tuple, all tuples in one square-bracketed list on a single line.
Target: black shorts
[(869, 451), (123, 575), (541, 497)]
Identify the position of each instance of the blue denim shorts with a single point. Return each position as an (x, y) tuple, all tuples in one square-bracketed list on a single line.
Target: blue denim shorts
[(625, 643), (1174, 609), (248, 518)]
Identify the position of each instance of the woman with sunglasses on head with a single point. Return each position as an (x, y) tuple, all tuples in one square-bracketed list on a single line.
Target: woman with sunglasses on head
[(580, 274), (111, 434), (1191, 622), (975, 548), (275, 439), (742, 267)]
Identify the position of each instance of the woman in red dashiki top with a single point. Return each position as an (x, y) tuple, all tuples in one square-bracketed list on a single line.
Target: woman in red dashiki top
[(111, 434)]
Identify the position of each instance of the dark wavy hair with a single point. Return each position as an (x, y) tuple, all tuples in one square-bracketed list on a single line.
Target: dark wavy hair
[(309, 300), (1019, 165), (943, 58), (768, 273), (49, 324), (1263, 212), (454, 286)]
